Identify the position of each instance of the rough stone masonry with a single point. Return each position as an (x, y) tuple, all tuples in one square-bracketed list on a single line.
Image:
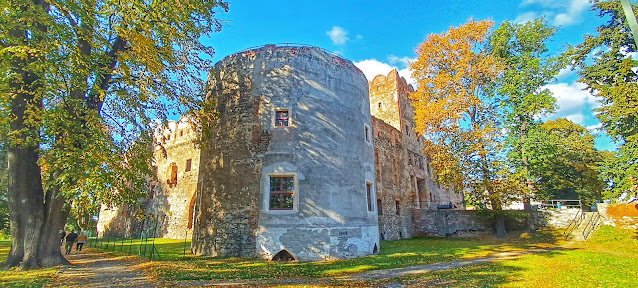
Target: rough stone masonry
[(287, 170)]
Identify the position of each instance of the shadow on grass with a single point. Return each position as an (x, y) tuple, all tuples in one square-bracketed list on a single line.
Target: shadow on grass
[(394, 254)]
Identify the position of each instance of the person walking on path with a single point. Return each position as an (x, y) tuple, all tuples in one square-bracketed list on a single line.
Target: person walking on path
[(70, 238), (81, 240)]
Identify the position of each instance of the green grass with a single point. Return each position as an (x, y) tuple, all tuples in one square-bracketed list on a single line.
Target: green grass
[(608, 259), (14, 278), (394, 254), (168, 249)]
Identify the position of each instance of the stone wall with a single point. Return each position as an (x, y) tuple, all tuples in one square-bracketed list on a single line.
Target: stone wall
[(471, 222), (172, 197), (323, 148), (403, 177), (621, 214)]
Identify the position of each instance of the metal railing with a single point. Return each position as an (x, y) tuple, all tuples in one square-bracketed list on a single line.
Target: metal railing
[(575, 222), (562, 203), (591, 225)]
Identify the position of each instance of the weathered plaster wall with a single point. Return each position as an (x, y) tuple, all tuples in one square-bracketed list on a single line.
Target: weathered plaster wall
[(403, 176), (324, 148)]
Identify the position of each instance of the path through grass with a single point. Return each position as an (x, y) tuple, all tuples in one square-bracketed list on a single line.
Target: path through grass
[(394, 254), (608, 259)]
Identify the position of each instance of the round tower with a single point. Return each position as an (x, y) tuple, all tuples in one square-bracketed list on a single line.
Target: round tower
[(287, 169)]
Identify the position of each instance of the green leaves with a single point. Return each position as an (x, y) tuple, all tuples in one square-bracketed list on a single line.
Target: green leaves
[(608, 70)]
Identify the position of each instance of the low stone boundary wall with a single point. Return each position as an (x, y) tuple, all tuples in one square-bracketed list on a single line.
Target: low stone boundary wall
[(459, 223), (623, 214)]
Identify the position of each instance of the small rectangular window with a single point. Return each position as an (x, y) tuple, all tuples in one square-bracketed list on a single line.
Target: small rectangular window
[(188, 164), (369, 195), (282, 192), (367, 133), (282, 118), (398, 207), (379, 208)]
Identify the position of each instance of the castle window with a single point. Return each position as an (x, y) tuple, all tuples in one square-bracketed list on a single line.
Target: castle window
[(188, 165), (172, 175), (282, 192), (282, 118), (379, 208), (367, 131), (398, 207), (395, 170), (369, 195)]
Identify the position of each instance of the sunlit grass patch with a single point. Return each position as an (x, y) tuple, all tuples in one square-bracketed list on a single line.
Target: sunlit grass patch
[(15, 278), (608, 259)]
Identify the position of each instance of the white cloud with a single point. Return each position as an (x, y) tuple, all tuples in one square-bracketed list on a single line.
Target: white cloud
[(596, 128), (559, 12), (573, 102), (403, 60), (374, 67), (338, 35), (527, 16), (565, 72), (577, 118)]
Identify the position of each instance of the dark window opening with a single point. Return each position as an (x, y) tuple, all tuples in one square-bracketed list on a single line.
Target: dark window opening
[(398, 207), (282, 118), (172, 175), (367, 134), (282, 193), (379, 208), (191, 211), (283, 255), (188, 164), (381, 236), (375, 250), (395, 170), (369, 195)]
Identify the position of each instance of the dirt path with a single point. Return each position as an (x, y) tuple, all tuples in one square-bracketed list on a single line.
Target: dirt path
[(95, 269)]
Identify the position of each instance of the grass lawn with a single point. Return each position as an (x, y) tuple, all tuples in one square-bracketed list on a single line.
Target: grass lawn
[(13, 278), (394, 254), (608, 259), (168, 249)]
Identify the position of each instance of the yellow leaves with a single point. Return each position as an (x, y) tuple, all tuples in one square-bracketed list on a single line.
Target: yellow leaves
[(453, 73)]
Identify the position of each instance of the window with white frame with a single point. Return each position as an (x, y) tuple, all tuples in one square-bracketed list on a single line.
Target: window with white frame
[(282, 118), (282, 193)]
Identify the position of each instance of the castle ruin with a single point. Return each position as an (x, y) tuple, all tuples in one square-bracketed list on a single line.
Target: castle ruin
[(306, 161)]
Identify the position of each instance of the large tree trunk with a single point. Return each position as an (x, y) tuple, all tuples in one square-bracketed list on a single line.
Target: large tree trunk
[(527, 206), (25, 182), (56, 215)]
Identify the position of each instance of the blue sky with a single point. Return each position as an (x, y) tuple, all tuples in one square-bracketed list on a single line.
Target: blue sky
[(380, 35)]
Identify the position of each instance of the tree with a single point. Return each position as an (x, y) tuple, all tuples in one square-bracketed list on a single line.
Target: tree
[(455, 114), (80, 82), (608, 70), (520, 90), (564, 162)]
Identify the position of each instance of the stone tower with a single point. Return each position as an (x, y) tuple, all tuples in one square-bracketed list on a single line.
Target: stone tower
[(405, 182), (287, 170)]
